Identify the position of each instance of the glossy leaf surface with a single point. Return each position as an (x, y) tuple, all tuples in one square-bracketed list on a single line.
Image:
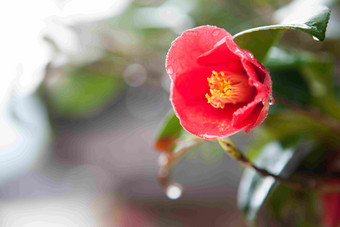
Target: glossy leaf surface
[(253, 189), (311, 19)]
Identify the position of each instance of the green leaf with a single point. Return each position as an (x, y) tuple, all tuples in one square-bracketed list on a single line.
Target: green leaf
[(304, 78), (280, 58), (170, 131), (295, 74), (319, 79), (290, 207), (258, 40), (315, 69), (289, 128), (254, 189), (290, 84), (311, 19)]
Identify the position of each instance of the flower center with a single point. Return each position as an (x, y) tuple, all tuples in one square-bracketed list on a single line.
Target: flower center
[(228, 88)]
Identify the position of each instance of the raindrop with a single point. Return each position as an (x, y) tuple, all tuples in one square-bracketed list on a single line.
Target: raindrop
[(271, 101), (170, 70), (316, 38), (216, 33), (251, 55), (174, 191), (163, 160)]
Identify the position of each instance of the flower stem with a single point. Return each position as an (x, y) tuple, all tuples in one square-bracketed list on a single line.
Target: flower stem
[(167, 160), (309, 183)]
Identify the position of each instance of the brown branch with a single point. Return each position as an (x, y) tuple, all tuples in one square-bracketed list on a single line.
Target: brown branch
[(310, 183)]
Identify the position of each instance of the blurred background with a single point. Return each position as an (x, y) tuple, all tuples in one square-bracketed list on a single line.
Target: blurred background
[(83, 92)]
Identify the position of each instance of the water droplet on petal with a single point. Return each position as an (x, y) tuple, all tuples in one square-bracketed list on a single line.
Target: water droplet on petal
[(251, 55), (174, 191), (170, 70), (193, 33), (216, 33), (271, 101), (316, 38)]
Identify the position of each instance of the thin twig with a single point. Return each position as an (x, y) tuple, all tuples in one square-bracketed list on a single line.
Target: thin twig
[(167, 160), (311, 183)]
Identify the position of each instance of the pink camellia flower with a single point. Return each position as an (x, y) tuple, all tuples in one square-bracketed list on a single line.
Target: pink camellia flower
[(217, 89)]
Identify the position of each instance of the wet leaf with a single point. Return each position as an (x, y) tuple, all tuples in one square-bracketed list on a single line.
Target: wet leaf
[(254, 189), (281, 58), (319, 79), (289, 128), (311, 19), (304, 78), (290, 207), (290, 84), (170, 131)]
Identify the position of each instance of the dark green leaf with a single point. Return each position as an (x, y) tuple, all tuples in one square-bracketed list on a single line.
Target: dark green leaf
[(304, 78), (298, 76), (290, 207), (319, 79), (290, 84), (312, 20), (279, 58), (170, 131)]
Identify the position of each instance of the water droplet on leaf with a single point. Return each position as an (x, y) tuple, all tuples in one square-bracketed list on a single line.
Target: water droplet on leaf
[(316, 38), (174, 191)]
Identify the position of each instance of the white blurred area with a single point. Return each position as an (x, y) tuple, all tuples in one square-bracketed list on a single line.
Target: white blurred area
[(24, 127), (63, 211), (24, 52)]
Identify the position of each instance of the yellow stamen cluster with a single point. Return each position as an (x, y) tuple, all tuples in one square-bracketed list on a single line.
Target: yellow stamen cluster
[(221, 90)]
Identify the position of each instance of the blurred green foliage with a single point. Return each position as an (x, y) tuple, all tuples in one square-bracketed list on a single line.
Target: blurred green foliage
[(81, 92)]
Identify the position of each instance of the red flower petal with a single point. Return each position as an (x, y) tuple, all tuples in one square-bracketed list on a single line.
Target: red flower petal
[(191, 60), (220, 54), (331, 206), (200, 119), (191, 44)]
